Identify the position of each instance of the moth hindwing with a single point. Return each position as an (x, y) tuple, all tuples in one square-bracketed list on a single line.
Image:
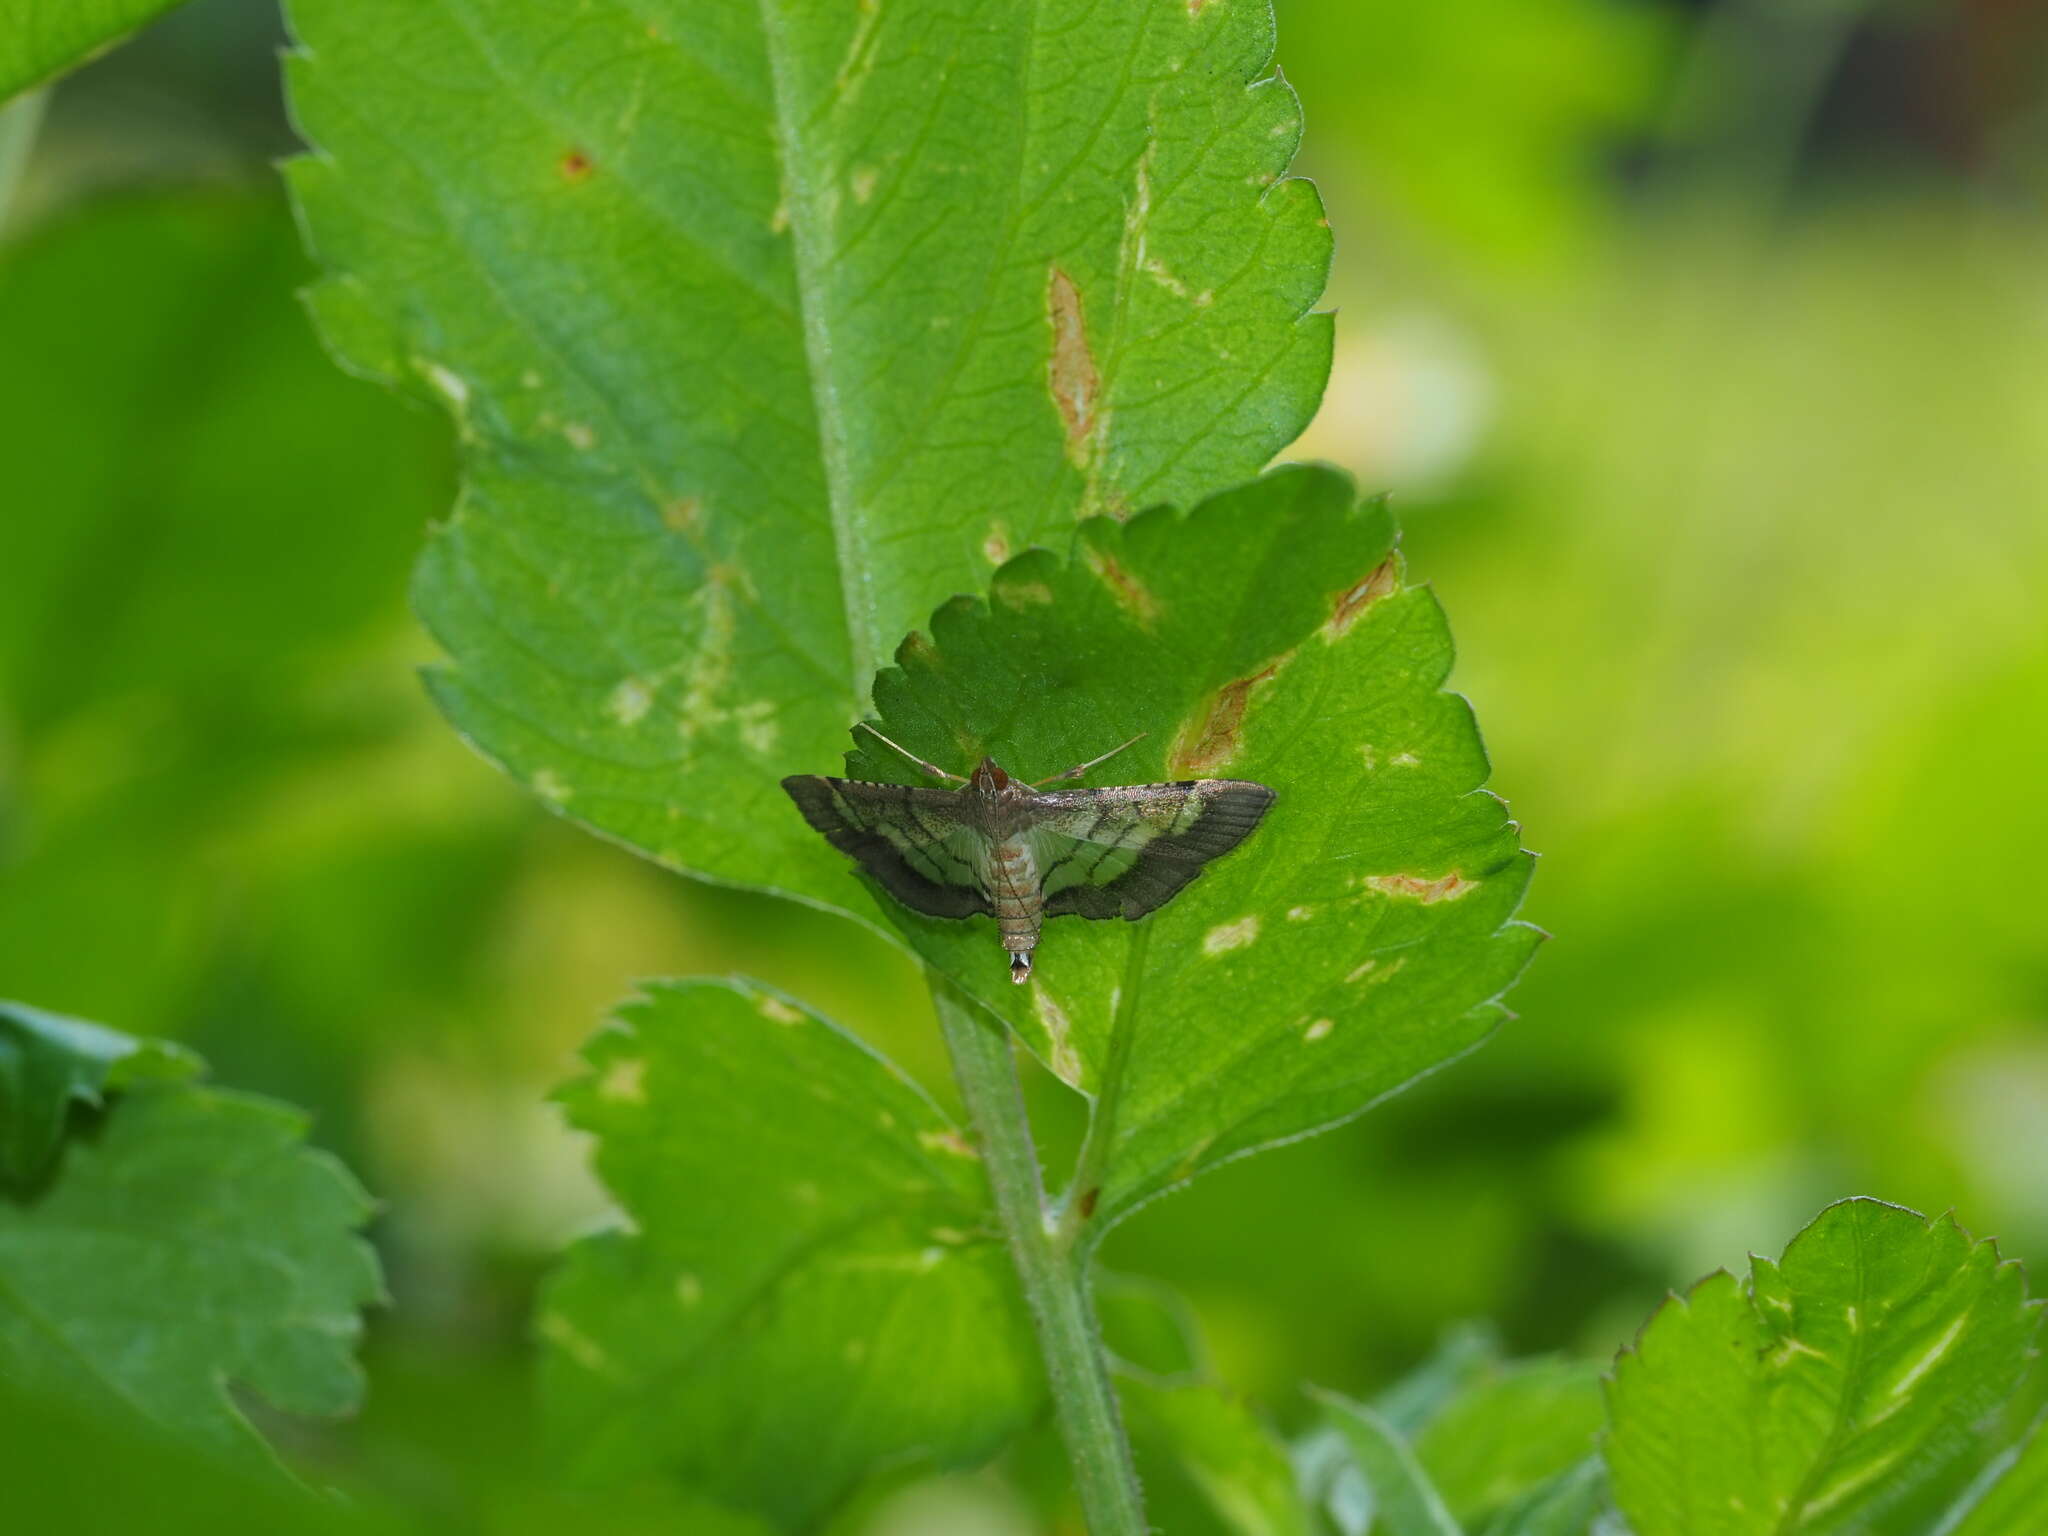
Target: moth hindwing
[(1002, 847)]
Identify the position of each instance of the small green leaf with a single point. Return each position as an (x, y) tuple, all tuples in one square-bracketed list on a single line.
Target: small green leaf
[(1230, 1459), (194, 1244), (1505, 1435), (767, 326), (1148, 1328), (2008, 1498), (40, 40), (1828, 1386), (1468, 1354), (1405, 1502), (812, 1284), (49, 1063), (1361, 935), (1565, 1505)]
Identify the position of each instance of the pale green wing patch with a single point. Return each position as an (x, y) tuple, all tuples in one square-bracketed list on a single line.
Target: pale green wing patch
[(1359, 936), (1066, 861), (1137, 846), (910, 840)]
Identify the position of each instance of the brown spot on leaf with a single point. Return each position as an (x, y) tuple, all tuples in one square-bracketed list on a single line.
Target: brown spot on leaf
[(1089, 1200), (576, 166), (1444, 888), (1381, 581), (1131, 594), (1070, 370), (1211, 740), (946, 1140)]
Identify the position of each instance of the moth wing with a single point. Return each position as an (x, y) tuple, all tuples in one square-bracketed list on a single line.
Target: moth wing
[(1128, 850), (912, 840)]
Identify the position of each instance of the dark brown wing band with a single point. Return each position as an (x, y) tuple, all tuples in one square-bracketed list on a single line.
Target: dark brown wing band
[(849, 813)]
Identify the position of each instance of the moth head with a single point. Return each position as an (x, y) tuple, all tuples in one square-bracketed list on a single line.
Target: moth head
[(989, 778)]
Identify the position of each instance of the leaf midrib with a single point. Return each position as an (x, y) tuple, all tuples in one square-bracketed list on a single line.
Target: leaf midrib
[(849, 533), (47, 1327), (1841, 1427)]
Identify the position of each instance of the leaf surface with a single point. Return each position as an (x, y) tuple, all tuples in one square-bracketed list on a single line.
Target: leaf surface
[(1405, 1502), (48, 1064), (1826, 1387), (1236, 1468), (40, 40), (1504, 1436), (195, 1244), (2008, 1498), (1358, 938), (86, 1475), (1468, 1354), (768, 326), (813, 1283), (1568, 1504)]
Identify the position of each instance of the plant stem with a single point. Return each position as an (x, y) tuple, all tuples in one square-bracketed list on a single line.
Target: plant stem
[(1052, 1275), (1078, 1203)]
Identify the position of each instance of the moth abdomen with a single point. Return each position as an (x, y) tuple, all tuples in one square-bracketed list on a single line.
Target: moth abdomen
[(1015, 894)]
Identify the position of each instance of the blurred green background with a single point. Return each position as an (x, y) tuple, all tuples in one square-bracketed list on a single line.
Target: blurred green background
[(1702, 346)]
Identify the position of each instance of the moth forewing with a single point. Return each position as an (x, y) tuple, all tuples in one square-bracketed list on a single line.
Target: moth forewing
[(912, 841), (1133, 847)]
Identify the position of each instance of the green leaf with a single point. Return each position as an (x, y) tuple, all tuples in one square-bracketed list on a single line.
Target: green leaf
[(1405, 1502), (1828, 1386), (1505, 1435), (195, 1244), (2008, 1497), (1213, 1442), (769, 326), (1359, 937), (73, 1472), (48, 1064), (1566, 1505), (1148, 1328), (40, 40), (812, 1284), (1468, 1354)]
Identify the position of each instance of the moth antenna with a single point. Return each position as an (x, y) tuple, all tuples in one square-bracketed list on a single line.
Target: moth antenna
[(931, 768), (1077, 771)]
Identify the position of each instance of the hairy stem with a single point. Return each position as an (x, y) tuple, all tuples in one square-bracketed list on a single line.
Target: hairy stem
[(1078, 1203), (1053, 1277)]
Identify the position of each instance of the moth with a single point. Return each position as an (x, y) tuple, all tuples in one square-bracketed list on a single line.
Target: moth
[(1020, 853)]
